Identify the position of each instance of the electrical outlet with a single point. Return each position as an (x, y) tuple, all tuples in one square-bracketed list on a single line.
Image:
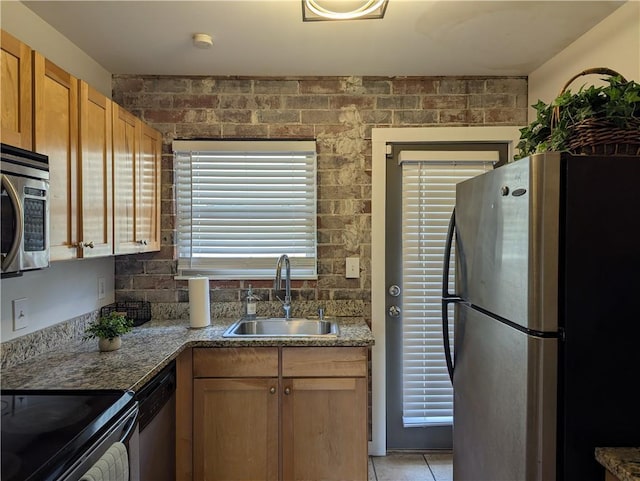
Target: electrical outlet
[(352, 267), (102, 290), (20, 313)]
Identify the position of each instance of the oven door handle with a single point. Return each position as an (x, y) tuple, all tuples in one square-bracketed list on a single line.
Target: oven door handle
[(15, 245), (130, 426)]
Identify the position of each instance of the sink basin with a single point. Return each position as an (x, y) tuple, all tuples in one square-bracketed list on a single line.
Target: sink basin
[(281, 327)]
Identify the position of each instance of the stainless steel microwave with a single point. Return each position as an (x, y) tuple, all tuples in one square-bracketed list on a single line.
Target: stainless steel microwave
[(24, 218)]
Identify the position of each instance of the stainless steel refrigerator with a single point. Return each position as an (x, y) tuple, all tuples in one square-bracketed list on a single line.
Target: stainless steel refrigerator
[(546, 351)]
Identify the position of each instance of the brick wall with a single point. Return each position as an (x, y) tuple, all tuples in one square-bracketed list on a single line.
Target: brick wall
[(339, 113)]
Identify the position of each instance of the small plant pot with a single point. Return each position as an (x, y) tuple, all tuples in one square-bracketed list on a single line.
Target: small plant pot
[(106, 345)]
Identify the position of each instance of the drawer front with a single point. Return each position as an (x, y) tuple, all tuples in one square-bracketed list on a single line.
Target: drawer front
[(324, 361), (235, 362)]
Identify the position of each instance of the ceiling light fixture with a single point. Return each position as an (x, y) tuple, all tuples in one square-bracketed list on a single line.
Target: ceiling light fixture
[(202, 40), (314, 10)]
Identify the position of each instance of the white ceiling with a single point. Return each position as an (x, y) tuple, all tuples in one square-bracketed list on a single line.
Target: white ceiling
[(268, 37)]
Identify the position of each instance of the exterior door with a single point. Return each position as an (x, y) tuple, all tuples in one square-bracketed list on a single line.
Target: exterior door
[(420, 197)]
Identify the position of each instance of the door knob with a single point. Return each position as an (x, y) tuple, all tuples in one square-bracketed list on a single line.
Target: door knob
[(394, 311)]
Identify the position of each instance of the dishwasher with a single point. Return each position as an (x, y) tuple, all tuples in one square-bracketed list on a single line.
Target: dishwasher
[(157, 424)]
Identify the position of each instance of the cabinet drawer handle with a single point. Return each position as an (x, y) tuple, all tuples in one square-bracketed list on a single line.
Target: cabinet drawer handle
[(272, 390), (287, 390)]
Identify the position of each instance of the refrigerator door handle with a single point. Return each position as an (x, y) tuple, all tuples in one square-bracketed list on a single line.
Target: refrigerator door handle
[(447, 297)]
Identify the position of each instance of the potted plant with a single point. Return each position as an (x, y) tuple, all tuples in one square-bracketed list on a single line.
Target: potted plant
[(108, 330), (595, 120)]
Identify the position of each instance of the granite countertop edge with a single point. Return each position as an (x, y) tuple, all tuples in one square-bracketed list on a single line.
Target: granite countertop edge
[(623, 462), (147, 350)]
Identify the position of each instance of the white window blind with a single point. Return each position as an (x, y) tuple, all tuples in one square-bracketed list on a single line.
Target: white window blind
[(428, 199), (240, 205)]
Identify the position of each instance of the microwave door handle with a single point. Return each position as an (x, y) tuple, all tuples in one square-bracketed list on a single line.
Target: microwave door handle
[(15, 245)]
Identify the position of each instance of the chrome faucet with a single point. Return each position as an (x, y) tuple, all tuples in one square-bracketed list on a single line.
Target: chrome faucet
[(277, 284)]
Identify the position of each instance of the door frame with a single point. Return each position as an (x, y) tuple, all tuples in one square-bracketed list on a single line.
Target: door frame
[(380, 137)]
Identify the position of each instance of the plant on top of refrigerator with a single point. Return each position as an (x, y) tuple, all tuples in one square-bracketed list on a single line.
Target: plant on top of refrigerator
[(613, 106)]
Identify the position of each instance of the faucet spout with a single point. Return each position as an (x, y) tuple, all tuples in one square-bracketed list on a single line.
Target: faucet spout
[(277, 284)]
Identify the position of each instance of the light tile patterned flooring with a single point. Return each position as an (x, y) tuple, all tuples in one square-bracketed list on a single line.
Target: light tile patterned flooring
[(413, 466)]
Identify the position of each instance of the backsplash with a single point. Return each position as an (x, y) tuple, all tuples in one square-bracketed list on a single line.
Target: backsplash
[(25, 347), (235, 310), (21, 349), (339, 112)]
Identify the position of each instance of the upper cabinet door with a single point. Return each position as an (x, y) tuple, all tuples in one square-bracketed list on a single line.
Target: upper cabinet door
[(125, 158), (148, 189), (16, 93), (56, 135), (136, 184), (96, 211)]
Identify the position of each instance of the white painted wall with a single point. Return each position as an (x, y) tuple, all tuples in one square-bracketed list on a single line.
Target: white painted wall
[(27, 27), (613, 43), (66, 289), (63, 291)]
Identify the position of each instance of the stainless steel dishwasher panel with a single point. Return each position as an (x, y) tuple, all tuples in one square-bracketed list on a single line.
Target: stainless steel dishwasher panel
[(158, 427)]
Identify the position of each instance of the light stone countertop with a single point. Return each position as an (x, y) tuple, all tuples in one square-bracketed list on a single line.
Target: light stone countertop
[(146, 350), (621, 462)]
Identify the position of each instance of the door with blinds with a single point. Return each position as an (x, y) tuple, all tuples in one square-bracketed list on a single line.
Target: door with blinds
[(421, 180)]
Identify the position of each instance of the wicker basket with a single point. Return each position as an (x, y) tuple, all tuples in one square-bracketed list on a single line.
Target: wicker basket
[(138, 311), (601, 136)]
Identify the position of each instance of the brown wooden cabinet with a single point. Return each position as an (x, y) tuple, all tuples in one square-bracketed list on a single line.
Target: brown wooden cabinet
[(324, 413), (16, 92), (236, 429), (96, 187), (235, 414), (56, 135), (136, 168), (104, 163), (279, 413), (73, 128), (148, 188)]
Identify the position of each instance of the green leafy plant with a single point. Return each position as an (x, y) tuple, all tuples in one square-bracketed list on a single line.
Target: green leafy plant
[(618, 102), (108, 327)]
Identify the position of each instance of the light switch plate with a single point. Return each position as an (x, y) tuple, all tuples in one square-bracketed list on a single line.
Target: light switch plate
[(20, 313), (352, 267)]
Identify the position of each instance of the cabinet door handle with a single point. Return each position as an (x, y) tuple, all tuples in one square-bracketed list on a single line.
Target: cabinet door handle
[(287, 390), (272, 390)]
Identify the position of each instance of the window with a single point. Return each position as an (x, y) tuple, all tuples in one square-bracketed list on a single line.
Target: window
[(240, 205), (429, 181)]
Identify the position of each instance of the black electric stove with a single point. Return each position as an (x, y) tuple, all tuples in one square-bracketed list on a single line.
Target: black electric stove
[(46, 431)]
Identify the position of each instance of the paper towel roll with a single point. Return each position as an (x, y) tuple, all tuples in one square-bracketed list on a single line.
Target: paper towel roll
[(199, 313)]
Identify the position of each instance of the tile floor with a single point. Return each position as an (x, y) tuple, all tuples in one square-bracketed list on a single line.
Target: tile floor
[(413, 466)]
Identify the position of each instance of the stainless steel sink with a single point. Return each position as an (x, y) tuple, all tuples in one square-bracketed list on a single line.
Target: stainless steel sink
[(281, 327)]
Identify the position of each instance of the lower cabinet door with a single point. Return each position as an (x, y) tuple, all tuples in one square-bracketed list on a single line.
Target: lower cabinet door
[(324, 429), (235, 429)]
